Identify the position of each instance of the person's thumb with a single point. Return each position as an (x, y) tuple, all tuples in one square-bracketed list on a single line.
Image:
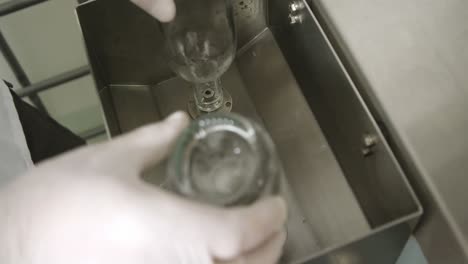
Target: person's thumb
[(163, 10), (268, 253)]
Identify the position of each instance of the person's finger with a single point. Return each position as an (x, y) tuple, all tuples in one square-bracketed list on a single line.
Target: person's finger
[(221, 233), (267, 253), (138, 150), (163, 10), (244, 229)]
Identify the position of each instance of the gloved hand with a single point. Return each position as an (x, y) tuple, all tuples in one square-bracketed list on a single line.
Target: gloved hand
[(163, 10), (91, 206)]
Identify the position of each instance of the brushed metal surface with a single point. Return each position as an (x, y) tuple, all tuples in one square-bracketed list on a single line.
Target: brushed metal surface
[(250, 19), (314, 174), (411, 58), (345, 120), (343, 116)]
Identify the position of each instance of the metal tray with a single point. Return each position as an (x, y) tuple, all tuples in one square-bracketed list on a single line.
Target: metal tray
[(349, 200)]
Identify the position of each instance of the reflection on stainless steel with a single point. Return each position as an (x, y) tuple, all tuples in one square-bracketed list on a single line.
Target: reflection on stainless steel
[(344, 208), (410, 60)]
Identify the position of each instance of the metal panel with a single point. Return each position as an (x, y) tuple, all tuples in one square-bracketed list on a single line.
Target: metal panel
[(319, 184), (383, 247), (410, 60), (342, 115)]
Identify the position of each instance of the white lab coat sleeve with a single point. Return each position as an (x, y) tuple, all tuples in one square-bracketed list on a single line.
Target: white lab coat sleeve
[(14, 153)]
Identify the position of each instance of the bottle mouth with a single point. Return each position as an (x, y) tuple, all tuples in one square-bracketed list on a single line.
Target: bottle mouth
[(218, 160)]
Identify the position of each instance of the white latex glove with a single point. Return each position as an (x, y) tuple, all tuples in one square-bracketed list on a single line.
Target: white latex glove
[(91, 206), (163, 10)]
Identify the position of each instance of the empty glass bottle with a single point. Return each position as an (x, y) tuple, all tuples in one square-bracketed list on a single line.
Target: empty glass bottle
[(225, 160)]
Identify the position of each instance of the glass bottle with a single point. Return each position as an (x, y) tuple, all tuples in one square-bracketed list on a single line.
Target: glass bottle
[(225, 160), (201, 45)]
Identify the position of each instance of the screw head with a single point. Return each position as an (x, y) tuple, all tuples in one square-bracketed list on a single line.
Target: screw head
[(295, 19), (369, 140), (296, 6), (295, 15)]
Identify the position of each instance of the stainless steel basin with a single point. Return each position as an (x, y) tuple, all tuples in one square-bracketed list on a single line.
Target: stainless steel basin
[(349, 200)]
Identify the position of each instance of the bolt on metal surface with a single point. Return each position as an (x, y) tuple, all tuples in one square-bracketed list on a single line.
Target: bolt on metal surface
[(368, 141), (295, 9), (296, 6)]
